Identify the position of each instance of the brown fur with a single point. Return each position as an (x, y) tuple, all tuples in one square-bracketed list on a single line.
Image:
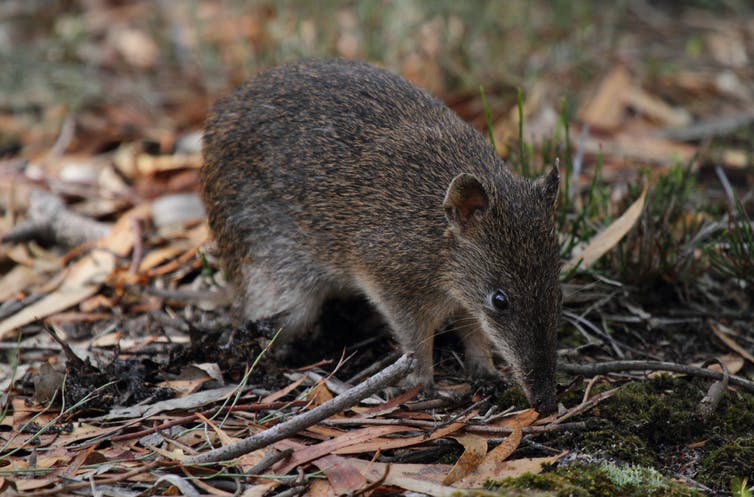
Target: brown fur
[(325, 178)]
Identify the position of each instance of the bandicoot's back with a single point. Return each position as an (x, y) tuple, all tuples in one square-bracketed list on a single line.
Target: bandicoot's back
[(325, 178)]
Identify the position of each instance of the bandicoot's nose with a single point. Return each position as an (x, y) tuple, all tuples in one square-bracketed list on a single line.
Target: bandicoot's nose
[(544, 399), (545, 405)]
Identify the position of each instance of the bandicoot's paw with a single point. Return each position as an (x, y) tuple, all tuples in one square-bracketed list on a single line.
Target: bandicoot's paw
[(483, 372), (487, 381), (426, 386)]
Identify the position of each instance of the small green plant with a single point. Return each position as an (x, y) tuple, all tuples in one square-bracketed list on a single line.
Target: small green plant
[(732, 254), (523, 157), (658, 249), (487, 117), (739, 487)]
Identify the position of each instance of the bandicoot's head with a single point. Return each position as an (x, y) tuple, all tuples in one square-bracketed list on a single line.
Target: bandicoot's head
[(505, 267)]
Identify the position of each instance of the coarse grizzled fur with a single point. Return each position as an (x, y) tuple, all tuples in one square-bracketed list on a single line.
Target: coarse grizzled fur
[(328, 177)]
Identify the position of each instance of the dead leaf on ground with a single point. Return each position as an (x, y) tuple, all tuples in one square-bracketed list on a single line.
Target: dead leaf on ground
[(720, 330), (397, 443), (422, 478), (337, 445), (474, 450), (343, 477), (83, 281), (609, 237), (607, 108)]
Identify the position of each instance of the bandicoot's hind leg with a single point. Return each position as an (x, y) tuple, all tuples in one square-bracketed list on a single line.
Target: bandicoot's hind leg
[(291, 290)]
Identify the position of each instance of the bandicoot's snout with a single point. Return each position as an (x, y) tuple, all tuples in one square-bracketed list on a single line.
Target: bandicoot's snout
[(544, 401)]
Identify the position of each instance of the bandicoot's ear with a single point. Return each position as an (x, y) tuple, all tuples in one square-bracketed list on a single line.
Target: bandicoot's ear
[(465, 203), (550, 185)]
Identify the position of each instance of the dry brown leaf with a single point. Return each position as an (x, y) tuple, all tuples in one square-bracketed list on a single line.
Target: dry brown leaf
[(492, 465), (135, 46), (736, 158), (332, 446), (397, 443), (733, 362), (422, 478), (719, 330), (639, 147), (224, 437), (121, 238), (150, 164), (513, 468), (387, 407), (83, 277), (98, 301), (157, 256), (319, 488), (27, 485), (474, 450), (611, 235), (283, 392), (18, 279), (606, 110), (323, 432), (657, 109), (319, 394), (523, 418), (83, 281), (343, 477)]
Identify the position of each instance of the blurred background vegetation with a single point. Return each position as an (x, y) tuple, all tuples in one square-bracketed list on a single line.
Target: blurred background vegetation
[(149, 66)]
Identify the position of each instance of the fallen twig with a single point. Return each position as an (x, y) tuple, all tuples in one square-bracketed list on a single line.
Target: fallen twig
[(78, 485), (621, 366), (269, 460), (386, 377), (209, 412), (48, 218)]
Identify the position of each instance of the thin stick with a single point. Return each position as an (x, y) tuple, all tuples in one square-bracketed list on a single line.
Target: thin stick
[(621, 366), (386, 377), (470, 428)]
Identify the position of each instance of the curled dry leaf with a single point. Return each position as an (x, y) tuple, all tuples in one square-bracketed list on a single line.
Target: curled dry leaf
[(474, 450)]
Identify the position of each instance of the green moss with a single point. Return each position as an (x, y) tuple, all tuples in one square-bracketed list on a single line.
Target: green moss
[(595, 480), (721, 465), (622, 446), (513, 396), (639, 418), (648, 423), (733, 416)]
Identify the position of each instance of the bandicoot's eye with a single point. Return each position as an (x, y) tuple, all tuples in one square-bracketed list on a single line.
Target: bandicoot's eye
[(499, 300)]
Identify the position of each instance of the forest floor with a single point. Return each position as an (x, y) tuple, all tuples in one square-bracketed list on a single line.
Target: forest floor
[(122, 366)]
